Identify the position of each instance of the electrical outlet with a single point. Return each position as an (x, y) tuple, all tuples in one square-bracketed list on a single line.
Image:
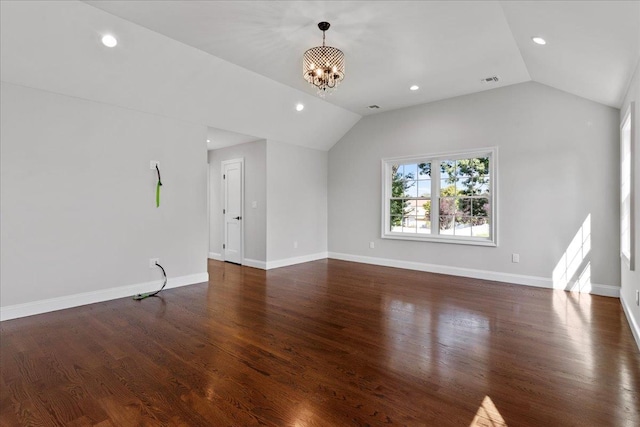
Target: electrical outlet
[(153, 163), (254, 204), (153, 261), (637, 297), (372, 245), (515, 258), (295, 244)]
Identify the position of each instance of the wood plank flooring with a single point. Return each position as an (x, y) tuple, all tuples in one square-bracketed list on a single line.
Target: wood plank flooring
[(326, 343)]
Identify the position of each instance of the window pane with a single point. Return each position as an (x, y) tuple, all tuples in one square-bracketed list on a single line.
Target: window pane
[(482, 165), (397, 207), (448, 169), (465, 185), (424, 225), (411, 189), (480, 207), (410, 207), (476, 166), (410, 171), (465, 205), (473, 185), (480, 227), (482, 188), (397, 172), (448, 187), (462, 226), (424, 188), (427, 207), (395, 223), (447, 206), (397, 182), (424, 170), (462, 168), (409, 224), (446, 224), (423, 207)]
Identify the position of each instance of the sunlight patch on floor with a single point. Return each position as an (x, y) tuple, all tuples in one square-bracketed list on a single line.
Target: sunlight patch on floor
[(488, 415)]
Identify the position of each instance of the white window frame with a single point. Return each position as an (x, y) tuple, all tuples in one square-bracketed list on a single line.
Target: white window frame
[(627, 177), (387, 163)]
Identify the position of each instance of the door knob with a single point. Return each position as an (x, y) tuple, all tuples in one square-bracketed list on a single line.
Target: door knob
[(238, 217)]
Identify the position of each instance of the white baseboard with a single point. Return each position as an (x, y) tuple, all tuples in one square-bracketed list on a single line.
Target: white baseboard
[(296, 260), (262, 265), (518, 279), (246, 262), (633, 324), (268, 265), (604, 290), (255, 263), (216, 256), (68, 301)]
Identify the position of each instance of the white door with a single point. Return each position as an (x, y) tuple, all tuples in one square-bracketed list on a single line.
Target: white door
[(232, 179)]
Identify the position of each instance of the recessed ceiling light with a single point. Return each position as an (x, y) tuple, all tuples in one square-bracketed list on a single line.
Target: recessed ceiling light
[(208, 140), (109, 41), (299, 107), (539, 40), (414, 87)]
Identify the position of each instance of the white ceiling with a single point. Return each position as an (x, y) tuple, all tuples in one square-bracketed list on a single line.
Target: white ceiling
[(237, 65), (445, 47), (55, 46), (219, 138)]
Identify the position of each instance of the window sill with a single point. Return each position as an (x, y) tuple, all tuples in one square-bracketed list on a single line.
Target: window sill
[(442, 239)]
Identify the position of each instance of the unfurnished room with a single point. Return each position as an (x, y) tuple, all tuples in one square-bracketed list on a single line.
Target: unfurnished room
[(319, 213)]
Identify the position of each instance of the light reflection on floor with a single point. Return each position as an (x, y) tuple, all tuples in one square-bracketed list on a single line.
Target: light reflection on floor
[(574, 313), (419, 330)]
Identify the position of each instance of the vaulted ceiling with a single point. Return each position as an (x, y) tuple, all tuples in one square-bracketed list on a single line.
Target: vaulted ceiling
[(237, 65), (444, 47)]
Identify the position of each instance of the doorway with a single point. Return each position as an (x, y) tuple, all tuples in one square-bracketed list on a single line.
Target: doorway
[(233, 210)]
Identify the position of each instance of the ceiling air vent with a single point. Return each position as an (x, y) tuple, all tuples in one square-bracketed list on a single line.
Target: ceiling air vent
[(492, 79), (373, 107)]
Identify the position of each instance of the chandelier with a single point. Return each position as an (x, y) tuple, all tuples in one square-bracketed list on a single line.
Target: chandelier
[(323, 66)]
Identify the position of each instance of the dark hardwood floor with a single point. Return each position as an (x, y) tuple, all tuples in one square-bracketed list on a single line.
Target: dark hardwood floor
[(326, 343)]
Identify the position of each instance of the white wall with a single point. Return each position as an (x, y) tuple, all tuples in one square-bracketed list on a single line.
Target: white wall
[(78, 196), (73, 231), (255, 190), (289, 184), (631, 279), (297, 208), (558, 164)]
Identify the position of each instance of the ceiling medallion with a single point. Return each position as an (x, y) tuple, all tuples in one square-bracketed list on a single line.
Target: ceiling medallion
[(323, 66)]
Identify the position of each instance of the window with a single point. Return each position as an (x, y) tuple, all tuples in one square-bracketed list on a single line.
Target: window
[(447, 197), (626, 187)]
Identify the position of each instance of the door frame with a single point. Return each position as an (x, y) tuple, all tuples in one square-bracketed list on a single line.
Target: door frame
[(224, 206)]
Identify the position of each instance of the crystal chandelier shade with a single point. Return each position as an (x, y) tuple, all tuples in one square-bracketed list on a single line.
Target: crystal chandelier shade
[(323, 66)]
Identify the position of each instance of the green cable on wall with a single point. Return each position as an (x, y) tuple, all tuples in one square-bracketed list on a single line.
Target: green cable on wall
[(158, 187), (140, 297)]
